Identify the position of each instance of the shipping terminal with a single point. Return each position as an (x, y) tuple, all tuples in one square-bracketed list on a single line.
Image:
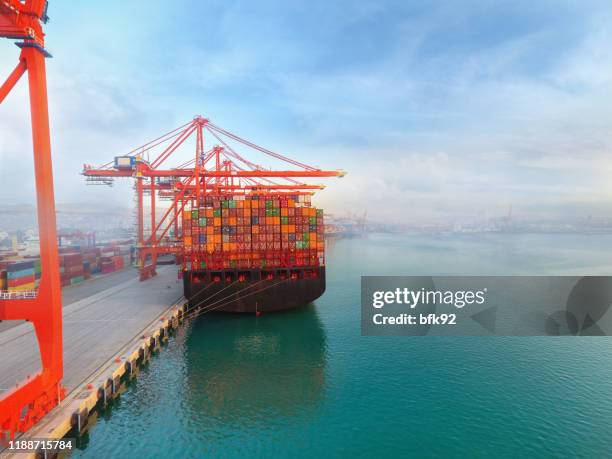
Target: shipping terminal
[(242, 237)]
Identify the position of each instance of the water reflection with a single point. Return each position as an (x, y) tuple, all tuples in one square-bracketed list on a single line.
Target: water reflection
[(241, 368)]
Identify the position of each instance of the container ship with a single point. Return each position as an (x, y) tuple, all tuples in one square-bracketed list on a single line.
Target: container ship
[(253, 253)]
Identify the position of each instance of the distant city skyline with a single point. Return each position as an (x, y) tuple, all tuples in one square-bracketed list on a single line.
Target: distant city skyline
[(436, 109)]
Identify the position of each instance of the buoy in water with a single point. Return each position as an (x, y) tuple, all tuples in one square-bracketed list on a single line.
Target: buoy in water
[(258, 314)]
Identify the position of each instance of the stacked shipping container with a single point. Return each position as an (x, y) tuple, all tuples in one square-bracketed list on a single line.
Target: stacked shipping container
[(76, 265), (18, 276), (253, 231), (71, 268)]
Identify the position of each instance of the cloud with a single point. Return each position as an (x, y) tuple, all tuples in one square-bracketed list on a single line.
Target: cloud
[(435, 108)]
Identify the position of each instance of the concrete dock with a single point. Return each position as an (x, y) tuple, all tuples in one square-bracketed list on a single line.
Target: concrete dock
[(73, 293), (106, 329)]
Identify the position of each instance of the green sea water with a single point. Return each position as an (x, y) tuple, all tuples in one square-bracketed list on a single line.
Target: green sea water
[(305, 383)]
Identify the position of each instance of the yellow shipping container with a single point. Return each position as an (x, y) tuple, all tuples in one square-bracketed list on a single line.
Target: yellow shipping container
[(24, 287)]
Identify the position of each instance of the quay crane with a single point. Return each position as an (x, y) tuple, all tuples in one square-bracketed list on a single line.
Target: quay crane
[(26, 403), (219, 170)]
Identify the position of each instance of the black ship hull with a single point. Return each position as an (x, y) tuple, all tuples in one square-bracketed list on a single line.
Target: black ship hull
[(253, 290)]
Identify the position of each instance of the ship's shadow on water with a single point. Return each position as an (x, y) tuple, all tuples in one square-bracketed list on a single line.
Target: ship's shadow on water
[(243, 368)]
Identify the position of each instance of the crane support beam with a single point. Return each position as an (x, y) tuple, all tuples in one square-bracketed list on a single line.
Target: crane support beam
[(211, 173), (240, 187), (12, 79), (30, 400)]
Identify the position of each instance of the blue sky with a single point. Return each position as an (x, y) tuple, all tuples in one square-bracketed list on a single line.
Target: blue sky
[(436, 109)]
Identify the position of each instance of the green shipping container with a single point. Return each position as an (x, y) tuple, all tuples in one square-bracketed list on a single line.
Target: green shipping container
[(76, 280)]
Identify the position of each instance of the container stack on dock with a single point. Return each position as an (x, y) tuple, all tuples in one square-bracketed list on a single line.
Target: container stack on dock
[(253, 231), (18, 276), (21, 273), (114, 258), (71, 268)]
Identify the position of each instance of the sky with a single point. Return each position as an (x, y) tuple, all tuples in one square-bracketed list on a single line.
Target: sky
[(436, 109)]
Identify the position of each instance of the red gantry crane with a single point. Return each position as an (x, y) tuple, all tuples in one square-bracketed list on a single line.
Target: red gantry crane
[(219, 170), (26, 403)]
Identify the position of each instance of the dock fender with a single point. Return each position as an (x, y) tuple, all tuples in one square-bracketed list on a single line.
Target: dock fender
[(102, 395), (115, 384), (79, 419), (108, 388)]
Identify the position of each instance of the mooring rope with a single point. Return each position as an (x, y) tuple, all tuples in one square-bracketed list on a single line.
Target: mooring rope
[(209, 309), (225, 297)]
